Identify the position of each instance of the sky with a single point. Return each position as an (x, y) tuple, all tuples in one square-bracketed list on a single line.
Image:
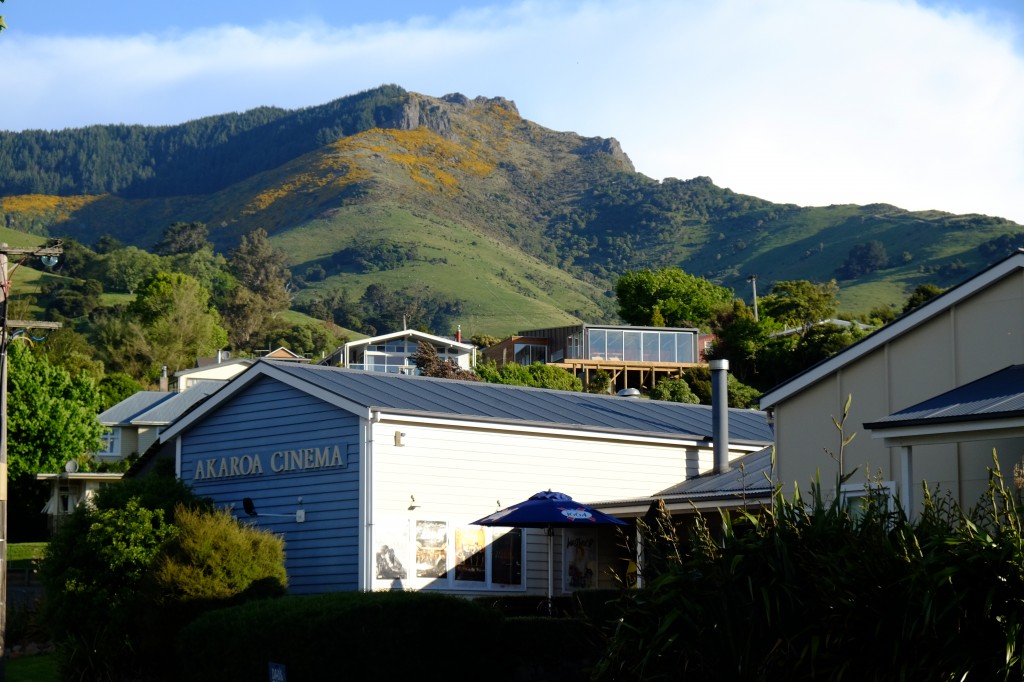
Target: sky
[(916, 103)]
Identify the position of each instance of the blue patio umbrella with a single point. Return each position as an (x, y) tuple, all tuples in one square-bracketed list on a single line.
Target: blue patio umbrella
[(548, 510)]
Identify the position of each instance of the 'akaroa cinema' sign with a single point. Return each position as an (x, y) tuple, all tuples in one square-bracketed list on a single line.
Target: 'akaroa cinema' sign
[(281, 461)]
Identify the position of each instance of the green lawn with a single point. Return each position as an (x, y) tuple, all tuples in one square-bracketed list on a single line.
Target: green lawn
[(41, 668), (20, 555)]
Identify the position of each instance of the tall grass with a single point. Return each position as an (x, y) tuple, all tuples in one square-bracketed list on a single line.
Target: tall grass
[(814, 589)]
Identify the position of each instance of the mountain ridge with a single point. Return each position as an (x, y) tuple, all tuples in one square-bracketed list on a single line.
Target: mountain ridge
[(463, 179)]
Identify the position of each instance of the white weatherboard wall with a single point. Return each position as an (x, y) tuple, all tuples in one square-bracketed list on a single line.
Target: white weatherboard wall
[(456, 472)]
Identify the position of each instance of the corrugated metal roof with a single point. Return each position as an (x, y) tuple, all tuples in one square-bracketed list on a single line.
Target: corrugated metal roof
[(747, 473), (416, 394), (167, 411), (998, 395), (132, 406)]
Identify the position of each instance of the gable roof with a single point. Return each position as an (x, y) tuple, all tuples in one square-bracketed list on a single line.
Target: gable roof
[(364, 392), (282, 353), (134, 405), (898, 327), (414, 334)]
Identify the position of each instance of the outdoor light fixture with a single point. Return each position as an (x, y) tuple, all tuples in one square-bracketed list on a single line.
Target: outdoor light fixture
[(250, 509), (412, 502), (398, 439)]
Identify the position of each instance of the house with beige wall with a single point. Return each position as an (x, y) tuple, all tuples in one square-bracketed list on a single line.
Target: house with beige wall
[(931, 397)]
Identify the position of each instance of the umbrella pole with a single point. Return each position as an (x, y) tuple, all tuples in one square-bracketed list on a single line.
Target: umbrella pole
[(551, 566)]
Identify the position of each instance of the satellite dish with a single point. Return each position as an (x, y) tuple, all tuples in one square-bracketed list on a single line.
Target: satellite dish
[(71, 467)]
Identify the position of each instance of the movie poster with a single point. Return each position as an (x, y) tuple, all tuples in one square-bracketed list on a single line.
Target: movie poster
[(431, 549), (470, 555), (392, 551), (579, 559)]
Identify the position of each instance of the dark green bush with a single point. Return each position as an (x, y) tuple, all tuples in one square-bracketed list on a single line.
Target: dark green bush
[(121, 579), (348, 635)]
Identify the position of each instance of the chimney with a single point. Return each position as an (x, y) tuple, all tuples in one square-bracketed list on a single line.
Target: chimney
[(720, 413), (458, 334), (163, 379)]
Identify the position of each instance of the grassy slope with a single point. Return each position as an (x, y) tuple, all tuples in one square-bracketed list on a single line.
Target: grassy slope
[(475, 202), (504, 290)]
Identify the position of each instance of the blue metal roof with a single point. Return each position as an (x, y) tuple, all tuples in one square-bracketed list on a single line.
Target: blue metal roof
[(167, 411), (157, 407), (132, 406), (480, 400), (998, 395)]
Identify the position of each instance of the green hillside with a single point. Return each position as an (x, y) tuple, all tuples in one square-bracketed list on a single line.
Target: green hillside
[(465, 201)]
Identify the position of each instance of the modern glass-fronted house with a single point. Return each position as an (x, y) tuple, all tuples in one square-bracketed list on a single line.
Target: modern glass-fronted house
[(633, 357), (391, 353), (676, 345)]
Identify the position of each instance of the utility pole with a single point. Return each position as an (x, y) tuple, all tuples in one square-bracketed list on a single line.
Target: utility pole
[(49, 255), (753, 282)]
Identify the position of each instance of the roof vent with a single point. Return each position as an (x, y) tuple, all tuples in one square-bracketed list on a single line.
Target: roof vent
[(629, 393)]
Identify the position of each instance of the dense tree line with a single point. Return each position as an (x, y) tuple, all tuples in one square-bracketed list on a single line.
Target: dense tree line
[(148, 161)]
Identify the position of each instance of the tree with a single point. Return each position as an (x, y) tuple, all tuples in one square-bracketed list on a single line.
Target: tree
[(183, 238), (127, 268), (260, 268), (801, 303), (740, 339), (921, 295), (52, 415), (668, 295), (431, 365), (115, 387), (177, 321), (863, 259)]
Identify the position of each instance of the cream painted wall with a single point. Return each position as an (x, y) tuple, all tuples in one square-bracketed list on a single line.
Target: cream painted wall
[(461, 473), (975, 337)]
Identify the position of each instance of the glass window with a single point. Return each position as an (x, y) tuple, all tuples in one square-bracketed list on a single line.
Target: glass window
[(667, 341), (110, 442), (529, 353), (650, 340), (631, 347), (598, 344), (507, 558), (684, 348), (614, 344)]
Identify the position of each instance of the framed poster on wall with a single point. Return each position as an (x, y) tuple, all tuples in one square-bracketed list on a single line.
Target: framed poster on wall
[(579, 559)]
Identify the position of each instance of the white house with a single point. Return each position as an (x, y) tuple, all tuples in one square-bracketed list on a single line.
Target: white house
[(391, 352), (373, 479)]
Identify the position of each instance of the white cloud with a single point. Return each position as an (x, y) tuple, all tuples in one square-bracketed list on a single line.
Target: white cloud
[(805, 101)]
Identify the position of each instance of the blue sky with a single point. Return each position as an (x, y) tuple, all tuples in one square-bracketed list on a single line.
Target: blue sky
[(917, 103)]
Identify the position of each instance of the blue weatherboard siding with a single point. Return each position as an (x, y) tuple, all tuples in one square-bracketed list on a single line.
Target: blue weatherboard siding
[(218, 459)]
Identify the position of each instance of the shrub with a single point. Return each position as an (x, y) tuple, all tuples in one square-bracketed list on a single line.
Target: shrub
[(349, 635), (825, 592), (123, 576)]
